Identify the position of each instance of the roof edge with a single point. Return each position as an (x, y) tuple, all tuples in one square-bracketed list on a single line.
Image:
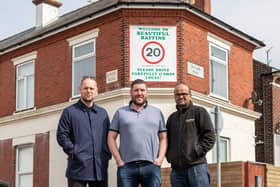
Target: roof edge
[(120, 4)]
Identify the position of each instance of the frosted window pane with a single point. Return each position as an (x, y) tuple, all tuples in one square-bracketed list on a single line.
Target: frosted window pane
[(220, 54), (223, 151), (26, 69), (25, 89), (30, 92), (84, 49), (277, 150), (20, 94), (25, 180), (218, 79), (25, 159), (85, 67)]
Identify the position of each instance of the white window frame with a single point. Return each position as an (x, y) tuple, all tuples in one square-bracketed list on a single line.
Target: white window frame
[(76, 41), (93, 55), (25, 86), (214, 157), (20, 61), (225, 46), (18, 174), (277, 149)]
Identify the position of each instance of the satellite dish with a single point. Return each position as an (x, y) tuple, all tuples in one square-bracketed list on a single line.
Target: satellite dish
[(255, 99), (254, 96)]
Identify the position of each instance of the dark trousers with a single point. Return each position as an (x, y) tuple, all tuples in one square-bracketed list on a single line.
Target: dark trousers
[(78, 183)]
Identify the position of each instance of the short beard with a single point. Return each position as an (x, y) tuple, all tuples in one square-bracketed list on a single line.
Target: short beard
[(87, 100), (139, 104)]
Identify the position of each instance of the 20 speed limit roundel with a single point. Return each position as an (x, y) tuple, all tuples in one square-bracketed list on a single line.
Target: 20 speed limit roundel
[(153, 52)]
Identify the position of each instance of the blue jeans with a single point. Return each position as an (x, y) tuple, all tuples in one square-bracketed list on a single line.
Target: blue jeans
[(140, 172), (195, 176)]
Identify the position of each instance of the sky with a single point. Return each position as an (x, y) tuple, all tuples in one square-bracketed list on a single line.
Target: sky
[(258, 18)]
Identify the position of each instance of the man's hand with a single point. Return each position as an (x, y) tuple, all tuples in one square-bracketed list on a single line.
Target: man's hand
[(120, 163), (158, 161)]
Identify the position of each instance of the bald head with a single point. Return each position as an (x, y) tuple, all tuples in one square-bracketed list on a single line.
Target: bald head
[(182, 94), (182, 86)]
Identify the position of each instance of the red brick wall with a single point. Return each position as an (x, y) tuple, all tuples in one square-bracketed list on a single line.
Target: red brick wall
[(53, 74), (240, 76), (53, 64), (251, 171), (109, 54), (41, 161), (7, 87), (276, 108), (195, 50), (148, 17), (204, 5), (268, 125), (263, 126), (7, 161)]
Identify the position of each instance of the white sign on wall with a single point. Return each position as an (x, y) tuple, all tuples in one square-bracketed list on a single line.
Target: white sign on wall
[(195, 70), (111, 76), (153, 53)]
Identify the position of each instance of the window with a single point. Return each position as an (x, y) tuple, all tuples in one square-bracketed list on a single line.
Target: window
[(277, 150), (218, 50), (219, 73), (24, 166), (83, 57), (25, 86), (224, 150), (84, 63)]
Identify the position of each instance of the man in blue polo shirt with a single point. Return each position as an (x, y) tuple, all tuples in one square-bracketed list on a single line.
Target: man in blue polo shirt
[(143, 140), (82, 133)]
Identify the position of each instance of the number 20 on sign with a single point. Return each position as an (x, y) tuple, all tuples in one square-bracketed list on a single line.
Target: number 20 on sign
[(153, 52)]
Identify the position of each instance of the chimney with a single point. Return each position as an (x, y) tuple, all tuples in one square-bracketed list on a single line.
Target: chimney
[(46, 11), (204, 5)]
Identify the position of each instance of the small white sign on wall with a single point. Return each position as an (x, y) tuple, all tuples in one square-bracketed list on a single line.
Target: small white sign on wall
[(195, 70), (111, 76)]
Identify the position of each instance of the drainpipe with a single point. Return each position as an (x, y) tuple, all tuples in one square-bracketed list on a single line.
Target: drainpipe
[(264, 117)]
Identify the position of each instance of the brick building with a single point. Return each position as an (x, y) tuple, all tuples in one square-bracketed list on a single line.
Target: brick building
[(267, 102), (116, 41)]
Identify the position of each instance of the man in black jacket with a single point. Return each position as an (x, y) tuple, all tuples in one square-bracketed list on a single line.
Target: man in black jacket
[(190, 136)]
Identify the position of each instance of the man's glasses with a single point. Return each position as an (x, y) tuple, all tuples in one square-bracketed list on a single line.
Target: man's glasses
[(181, 94)]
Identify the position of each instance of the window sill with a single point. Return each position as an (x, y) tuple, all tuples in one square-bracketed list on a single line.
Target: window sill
[(26, 110), (219, 97), (74, 98)]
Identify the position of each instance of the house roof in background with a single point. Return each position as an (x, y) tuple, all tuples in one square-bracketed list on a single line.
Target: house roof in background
[(103, 7)]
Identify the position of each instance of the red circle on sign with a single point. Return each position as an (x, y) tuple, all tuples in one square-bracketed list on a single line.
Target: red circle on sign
[(149, 61)]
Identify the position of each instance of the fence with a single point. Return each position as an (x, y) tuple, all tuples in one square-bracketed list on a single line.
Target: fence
[(238, 174)]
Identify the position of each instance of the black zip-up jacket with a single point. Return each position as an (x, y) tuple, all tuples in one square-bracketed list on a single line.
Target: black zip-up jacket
[(190, 136)]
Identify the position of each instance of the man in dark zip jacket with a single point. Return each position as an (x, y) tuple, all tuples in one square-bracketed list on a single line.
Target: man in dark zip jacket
[(190, 136)]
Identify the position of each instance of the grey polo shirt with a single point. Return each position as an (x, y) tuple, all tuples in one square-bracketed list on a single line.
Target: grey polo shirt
[(138, 132)]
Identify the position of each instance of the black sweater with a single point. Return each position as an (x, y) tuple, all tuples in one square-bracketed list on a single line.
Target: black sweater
[(190, 136)]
